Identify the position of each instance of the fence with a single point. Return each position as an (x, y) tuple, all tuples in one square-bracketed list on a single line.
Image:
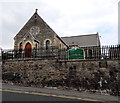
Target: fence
[(94, 52), (103, 52), (41, 53)]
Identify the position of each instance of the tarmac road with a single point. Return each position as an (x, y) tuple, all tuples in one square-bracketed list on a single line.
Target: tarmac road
[(11, 92), (9, 95)]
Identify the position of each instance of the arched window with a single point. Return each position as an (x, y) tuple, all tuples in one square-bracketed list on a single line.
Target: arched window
[(20, 45), (47, 44), (20, 49), (36, 46), (60, 46)]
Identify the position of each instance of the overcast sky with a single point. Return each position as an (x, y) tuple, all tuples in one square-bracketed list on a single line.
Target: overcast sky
[(65, 17)]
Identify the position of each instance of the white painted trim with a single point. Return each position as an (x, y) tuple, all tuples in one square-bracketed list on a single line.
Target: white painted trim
[(44, 43)]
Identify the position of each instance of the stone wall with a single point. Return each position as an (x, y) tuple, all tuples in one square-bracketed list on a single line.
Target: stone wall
[(81, 74), (33, 71)]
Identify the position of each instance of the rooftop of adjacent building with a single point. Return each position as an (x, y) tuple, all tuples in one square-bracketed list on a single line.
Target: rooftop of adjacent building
[(83, 40)]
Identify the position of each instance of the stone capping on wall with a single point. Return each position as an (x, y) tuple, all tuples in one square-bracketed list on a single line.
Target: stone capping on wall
[(23, 59), (89, 60), (82, 60)]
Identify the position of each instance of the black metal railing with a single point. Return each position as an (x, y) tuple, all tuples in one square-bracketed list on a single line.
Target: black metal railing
[(41, 53), (103, 52), (94, 52)]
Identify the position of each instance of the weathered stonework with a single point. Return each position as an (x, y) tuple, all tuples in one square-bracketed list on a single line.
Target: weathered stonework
[(53, 69), (78, 74), (25, 36)]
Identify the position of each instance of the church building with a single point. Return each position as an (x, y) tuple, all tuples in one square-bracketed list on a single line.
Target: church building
[(37, 34)]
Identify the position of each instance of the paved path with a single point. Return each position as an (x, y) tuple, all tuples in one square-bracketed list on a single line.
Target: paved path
[(71, 93)]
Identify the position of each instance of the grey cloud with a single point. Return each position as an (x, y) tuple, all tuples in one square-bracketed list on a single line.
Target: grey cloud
[(16, 14)]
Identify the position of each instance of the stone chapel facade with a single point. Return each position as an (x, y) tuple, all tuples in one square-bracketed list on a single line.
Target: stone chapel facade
[(37, 34)]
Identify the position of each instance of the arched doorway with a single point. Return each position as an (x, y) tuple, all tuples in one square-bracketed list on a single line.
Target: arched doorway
[(28, 49)]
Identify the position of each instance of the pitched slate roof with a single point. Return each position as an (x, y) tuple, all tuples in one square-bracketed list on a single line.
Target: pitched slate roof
[(83, 40)]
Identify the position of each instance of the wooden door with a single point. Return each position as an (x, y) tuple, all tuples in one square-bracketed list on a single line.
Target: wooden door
[(28, 50)]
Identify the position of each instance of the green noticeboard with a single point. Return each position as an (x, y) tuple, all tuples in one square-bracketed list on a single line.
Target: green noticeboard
[(77, 53)]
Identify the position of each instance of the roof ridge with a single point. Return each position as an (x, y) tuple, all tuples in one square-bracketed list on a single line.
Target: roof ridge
[(79, 35)]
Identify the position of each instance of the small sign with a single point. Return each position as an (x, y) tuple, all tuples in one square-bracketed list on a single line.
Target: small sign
[(77, 53)]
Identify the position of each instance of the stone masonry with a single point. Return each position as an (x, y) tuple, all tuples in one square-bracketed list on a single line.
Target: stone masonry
[(81, 74), (45, 33)]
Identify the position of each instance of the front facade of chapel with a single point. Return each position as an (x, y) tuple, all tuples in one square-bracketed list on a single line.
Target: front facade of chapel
[(37, 34)]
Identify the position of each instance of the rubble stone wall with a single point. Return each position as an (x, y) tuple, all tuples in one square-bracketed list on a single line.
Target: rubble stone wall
[(86, 74)]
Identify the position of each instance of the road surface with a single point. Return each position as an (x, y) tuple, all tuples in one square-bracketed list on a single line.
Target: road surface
[(49, 94), (10, 95)]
